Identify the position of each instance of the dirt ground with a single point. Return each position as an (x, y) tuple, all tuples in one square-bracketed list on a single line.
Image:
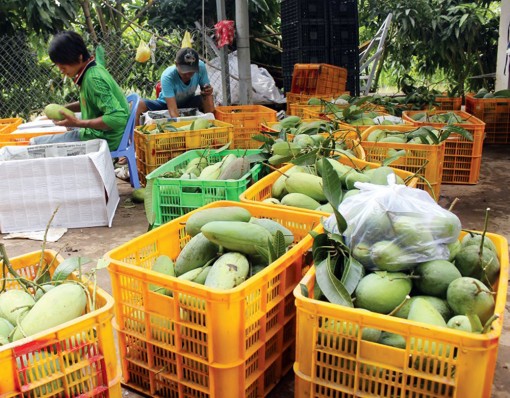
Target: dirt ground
[(492, 191)]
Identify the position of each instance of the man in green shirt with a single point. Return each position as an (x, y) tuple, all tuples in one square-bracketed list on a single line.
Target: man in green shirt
[(103, 105)]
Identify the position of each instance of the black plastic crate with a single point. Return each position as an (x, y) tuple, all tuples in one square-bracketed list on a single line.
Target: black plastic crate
[(299, 10), (349, 59), (309, 33), (344, 33), (343, 9)]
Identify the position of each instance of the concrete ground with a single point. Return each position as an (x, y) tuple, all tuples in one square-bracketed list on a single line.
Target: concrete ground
[(492, 191)]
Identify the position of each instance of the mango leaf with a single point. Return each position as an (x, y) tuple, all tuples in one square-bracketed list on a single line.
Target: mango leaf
[(459, 130), (306, 159), (263, 138), (66, 267), (333, 191), (330, 285), (279, 244), (353, 272), (272, 251), (331, 184), (304, 290), (256, 157), (317, 292), (223, 148), (396, 156), (319, 249)]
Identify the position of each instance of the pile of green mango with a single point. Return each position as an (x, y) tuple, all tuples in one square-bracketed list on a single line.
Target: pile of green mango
[(484, 93)]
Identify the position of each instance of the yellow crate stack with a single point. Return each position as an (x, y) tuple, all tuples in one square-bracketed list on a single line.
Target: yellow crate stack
[(201, 341), (336, 361)]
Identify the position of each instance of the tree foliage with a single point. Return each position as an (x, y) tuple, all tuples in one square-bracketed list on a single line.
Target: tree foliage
[(456, 38)]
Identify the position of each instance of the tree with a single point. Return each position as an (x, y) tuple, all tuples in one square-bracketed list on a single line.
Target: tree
[(452, 37)]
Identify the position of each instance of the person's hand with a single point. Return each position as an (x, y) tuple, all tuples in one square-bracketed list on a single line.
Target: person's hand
[(68, 121), (206, 90)]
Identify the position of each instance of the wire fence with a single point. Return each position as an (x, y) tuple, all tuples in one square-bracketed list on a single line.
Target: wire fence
[(29, 81)]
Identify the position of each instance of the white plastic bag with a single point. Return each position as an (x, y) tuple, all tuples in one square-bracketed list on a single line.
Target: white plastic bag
[(394, 227)]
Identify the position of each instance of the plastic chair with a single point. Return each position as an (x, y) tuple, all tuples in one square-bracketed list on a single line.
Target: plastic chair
[(127, 144)]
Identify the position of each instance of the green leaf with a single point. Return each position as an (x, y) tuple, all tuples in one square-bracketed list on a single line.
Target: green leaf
[(331, 184), (304, 290), (279, 244), (307, 159), (256, 157), (332, 288), (319, 248), (272, 251), (263, 138), (459, 130), (223, 148), (340, 220), (463, 19), (396, 156), (68, 266), (265, 253), (353, 272)]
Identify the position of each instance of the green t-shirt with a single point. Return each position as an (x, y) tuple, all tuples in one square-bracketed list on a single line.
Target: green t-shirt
[(100, 95)]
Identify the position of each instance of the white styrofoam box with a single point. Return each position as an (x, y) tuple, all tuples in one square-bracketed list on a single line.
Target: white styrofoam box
[(76, 177), (165, 117)]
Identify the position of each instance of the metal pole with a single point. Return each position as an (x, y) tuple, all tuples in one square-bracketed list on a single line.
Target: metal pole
[(225, 74), (243, 51)]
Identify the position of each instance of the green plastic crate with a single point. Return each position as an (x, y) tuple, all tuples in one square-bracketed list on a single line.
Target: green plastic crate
[(169, 198)]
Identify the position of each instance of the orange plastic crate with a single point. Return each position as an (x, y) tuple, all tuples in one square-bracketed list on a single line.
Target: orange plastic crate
[(426, 160), (74, 359), (445, 103), (204, 342), (9, 125), (318, 79), (22, 136), (495, 112), (246, 120), (335, 362), (295, 102), (262, 189), (15, 143), (154, 150), (462, 158)]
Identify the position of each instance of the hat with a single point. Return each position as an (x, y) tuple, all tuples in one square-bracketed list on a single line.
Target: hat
[(187, 60)]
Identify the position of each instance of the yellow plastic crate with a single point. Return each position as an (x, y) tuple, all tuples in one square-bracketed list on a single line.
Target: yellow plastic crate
[(9, 125), (246, 120), (426, 160), (262, 189), (334, 362), (350, 137), (74, 359), (154, 150), (462, 158), (204, 342)]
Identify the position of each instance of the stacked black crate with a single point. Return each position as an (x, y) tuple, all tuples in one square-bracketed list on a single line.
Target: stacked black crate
[(320, 31), (344, 40), (305, 35)]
